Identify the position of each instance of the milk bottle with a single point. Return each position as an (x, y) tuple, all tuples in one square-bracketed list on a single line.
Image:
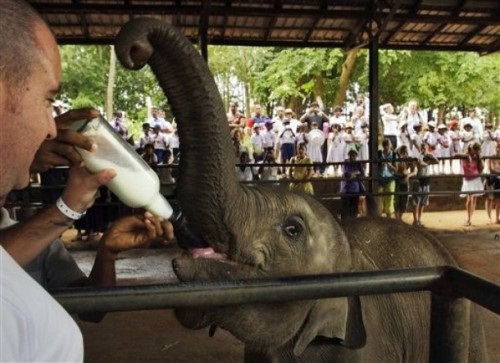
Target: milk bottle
[(135, 183)]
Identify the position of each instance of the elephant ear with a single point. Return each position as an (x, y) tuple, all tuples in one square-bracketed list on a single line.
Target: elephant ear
[(339, 319)]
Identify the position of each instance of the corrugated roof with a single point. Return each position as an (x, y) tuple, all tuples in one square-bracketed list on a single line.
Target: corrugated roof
[(399, 24)]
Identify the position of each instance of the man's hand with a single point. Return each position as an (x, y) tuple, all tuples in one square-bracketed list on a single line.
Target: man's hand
[(83, 185), (61, 150), (134, 231)]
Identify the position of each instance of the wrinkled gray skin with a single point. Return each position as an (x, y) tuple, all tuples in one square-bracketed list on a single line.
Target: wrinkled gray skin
[(270, 232)]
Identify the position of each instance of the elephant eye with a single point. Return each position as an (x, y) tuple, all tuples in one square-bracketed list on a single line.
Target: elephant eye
[(293, 227)]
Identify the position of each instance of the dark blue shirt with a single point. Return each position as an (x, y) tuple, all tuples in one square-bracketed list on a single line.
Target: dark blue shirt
[(348, 185)]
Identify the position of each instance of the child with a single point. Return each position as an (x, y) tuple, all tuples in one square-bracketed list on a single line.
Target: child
[(421, 185), (351, 186), (301, 173), (149, 156), (315, 140), (336, 147), (404, 171)]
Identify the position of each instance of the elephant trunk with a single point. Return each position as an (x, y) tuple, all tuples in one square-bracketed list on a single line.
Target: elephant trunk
[(206, 180)]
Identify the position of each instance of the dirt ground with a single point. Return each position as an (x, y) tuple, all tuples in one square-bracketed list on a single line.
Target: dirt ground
[(155, 336)]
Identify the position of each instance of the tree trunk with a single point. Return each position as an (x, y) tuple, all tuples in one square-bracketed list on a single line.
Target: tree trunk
[(345, 76), (111, 82), (319, 90)]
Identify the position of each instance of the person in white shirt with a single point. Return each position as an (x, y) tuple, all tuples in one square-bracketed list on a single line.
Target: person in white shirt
[(268, 136), (337, 118), (475, 122), (119, 125), (257, 144), (33, 326), (412, 117), (390, 121), (443, 148), (431, 139), (358, 119), (244, 172), (157, 119), (146, 137), (403, 136), (160, 143)]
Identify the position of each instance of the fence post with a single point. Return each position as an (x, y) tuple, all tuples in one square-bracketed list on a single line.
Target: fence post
[(450, 321)]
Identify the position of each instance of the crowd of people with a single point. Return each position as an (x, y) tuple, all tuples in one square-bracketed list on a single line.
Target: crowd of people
[(317, 144), (413, 148)]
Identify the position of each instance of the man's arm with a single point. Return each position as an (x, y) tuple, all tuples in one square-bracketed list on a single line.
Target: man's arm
[(29, 238)]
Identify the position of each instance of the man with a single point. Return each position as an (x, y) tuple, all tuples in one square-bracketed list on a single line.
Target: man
[(258, 118), (412, 118), (33, 326), (314, 114), (235, 118), (157, 119)]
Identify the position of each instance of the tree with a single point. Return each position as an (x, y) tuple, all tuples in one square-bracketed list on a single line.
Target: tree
[(86, 72)]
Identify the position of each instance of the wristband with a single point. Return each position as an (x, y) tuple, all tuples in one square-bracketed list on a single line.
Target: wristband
[(67, 211)]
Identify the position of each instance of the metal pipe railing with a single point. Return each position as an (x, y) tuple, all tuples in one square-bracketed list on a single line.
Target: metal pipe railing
[(271, 290)]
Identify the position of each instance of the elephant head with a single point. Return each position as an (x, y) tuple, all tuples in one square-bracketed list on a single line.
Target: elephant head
[(271, 232), (262, 231)]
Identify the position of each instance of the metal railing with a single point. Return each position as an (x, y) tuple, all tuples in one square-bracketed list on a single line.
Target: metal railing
[(448, 287)]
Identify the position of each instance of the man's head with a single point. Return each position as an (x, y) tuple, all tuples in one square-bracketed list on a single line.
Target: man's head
[(314, 107), (412, 107), (30, 76)]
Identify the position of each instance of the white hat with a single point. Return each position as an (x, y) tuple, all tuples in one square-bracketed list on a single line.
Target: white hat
[(432, 124), (442, 126)]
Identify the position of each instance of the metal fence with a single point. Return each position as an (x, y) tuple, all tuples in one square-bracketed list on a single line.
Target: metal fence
[(447, 285)]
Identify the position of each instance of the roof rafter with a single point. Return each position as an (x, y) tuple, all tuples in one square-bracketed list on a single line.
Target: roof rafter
[(397, 24)]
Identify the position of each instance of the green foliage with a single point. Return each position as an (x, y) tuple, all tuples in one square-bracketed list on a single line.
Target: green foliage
[(291, 76), (85, 75)]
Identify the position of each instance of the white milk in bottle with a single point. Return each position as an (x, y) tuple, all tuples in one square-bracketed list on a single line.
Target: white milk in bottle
[(135, 183)]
